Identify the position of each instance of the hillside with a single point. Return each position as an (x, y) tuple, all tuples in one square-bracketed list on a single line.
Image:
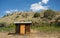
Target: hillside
[(26, 16), (45, 21)]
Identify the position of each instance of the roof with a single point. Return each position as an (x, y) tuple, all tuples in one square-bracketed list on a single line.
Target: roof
[(21, 22)]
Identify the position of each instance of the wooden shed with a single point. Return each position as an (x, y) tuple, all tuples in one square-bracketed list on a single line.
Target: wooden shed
[(22, 27)]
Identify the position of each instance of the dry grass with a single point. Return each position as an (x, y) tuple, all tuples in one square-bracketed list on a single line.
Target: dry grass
[(34, 34)]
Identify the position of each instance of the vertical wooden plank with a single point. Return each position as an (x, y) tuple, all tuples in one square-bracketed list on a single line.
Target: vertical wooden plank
[(27, 29), (17, 29), (22, 29)]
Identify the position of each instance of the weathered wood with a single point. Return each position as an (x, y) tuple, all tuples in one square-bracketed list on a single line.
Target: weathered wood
[(22, 29), (27, 30)]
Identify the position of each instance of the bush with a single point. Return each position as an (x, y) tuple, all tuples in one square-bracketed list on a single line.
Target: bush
[(9, 28), (2, 24), (57, 22), (17, 16), (36, 15), (58, 18), (49, 14)]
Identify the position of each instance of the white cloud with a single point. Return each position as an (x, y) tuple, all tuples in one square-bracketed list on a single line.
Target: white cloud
[(10, 11), (45, 1), (7, 11), (39, 6), (39, 3)]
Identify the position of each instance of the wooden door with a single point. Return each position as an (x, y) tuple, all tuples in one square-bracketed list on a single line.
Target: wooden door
[(22, 29), (27, 29)]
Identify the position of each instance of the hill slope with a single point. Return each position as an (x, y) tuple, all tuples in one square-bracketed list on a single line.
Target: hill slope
[(25, 16)]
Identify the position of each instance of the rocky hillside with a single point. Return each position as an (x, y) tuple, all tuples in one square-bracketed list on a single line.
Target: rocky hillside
[(27, 16)]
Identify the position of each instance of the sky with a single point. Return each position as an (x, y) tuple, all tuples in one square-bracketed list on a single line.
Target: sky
[(9, 6)]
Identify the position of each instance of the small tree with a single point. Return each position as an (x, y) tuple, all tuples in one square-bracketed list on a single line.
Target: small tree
[(58, 18), (49, 14), (3, 24), (57, 22), (17, 16), (36, 15)]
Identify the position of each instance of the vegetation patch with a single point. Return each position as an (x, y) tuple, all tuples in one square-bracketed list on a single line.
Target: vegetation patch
[(8, 28), (36, 14), (46, 28)]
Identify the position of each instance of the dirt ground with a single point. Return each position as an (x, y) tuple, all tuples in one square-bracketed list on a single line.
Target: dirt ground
[(33, 34)]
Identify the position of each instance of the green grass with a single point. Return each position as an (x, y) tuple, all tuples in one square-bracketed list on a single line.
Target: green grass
[(7, 28), (46, 28), (40, 28)]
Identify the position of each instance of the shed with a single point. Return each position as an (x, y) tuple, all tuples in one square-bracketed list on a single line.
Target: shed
[(22, 27)]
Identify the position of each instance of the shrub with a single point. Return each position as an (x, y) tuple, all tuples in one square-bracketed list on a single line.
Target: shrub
[(36, 15), (49, 14), (8, 28), (58, 18), (17, 16), (2, 24), (58, 22)]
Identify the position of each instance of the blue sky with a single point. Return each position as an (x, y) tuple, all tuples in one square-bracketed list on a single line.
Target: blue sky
[(8, 6)]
